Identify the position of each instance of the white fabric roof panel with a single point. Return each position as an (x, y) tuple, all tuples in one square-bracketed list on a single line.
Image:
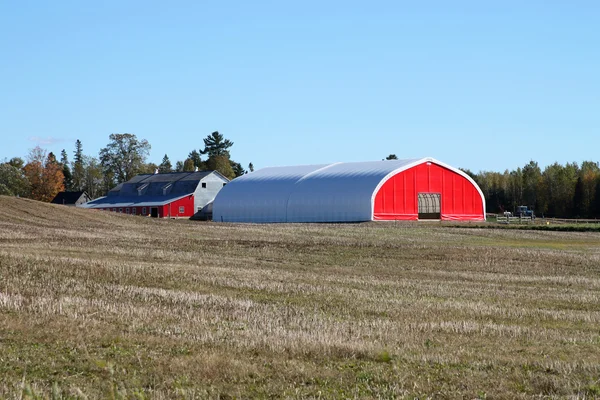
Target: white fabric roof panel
[(340, 192), (259, 196)]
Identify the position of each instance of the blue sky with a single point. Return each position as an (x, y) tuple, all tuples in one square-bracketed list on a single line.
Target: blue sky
[(474, 84)]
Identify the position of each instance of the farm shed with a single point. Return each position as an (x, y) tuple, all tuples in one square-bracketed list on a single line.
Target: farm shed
[(74, 199), (171, 195), (414, 189)]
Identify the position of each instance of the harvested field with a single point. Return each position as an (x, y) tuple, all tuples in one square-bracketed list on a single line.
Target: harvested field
[(96, 304)]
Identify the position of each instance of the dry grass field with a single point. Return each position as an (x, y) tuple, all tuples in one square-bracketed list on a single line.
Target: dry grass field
[(99, 305)]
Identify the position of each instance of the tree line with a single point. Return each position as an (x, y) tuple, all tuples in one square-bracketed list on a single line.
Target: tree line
[(564, 191), (41, 176)]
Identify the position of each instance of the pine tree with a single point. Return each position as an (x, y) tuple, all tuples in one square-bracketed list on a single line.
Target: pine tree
[(251, 167), (216, 145), (165, 166), (237, 168), (78, 174), (64, 161), (197, 162)]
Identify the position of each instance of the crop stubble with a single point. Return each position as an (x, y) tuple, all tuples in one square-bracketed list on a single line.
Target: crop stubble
[(97, 304)]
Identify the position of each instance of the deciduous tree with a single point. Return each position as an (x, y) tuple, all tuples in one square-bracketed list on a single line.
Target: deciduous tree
[(93, 178), (44, 175), (124, 156), (12, 181), (188, 165), (221, 164)]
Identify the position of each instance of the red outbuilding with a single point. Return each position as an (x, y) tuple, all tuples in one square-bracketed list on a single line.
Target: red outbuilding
[(429, 190), (171, 195)]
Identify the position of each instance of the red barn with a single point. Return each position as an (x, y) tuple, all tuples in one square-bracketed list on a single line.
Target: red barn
[(172, 195), (414, 189)]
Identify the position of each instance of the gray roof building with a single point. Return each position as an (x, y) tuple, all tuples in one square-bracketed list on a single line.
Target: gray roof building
[(175, 195)]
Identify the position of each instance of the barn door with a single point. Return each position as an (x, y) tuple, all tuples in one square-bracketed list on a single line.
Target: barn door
[(430, 206)]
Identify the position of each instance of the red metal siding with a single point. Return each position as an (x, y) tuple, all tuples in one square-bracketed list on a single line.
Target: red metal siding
[(397, 199), (164, 211), (172, 209)]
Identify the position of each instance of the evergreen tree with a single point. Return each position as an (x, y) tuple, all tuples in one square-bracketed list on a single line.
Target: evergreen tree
[(237, 168), (165, 166), (597, 199), (64, 161), (78, 174), (391, 157), (578, 200), (17, 162), (216, 145), (52, 158), (179, 166), (251, 167), (589, 173), (532, 175), (194, 156)]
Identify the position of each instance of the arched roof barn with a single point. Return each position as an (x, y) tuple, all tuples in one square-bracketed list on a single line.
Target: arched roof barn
[(350, 192)]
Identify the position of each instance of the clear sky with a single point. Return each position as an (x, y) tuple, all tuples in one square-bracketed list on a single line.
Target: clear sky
[(476, 84)]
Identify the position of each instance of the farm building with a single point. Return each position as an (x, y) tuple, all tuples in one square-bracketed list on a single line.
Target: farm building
[(172, 195), (74, 199), (414, 189)]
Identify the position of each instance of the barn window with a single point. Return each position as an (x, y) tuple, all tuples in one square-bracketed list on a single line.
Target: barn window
[(203, 185), (181, 209), (127, 210), (114, 210), (133, 211), (120, 209), (143, 210)]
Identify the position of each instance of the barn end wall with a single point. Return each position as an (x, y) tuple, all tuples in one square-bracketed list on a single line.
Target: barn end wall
[(397, 197), (203, 196)]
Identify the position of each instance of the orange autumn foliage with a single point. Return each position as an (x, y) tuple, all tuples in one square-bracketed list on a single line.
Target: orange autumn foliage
[(45, 176)]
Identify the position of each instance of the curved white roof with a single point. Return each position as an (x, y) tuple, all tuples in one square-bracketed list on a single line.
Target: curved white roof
[(339, 192)]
